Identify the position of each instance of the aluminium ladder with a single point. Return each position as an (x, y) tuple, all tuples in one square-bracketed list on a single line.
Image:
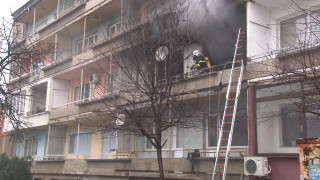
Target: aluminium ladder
[(230, 110)]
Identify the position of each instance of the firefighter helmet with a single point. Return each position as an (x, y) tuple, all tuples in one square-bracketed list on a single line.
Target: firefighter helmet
[(196, 53)]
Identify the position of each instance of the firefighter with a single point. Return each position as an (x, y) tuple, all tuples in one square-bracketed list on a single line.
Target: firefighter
[(201, 62)]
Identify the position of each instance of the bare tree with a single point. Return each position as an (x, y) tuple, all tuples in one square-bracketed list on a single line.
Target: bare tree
[(296, 64), (19, 57), (152, 95)]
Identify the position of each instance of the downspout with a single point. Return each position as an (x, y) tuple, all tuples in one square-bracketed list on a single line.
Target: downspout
[(4, 143), (170, 129), (78, 138), (81, 84), (11, 145), (58, 7), (84, 33), (34, 19), (48, 140)]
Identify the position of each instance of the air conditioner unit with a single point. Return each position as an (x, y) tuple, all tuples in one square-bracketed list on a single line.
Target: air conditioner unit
[(94, 78), (256, 166)]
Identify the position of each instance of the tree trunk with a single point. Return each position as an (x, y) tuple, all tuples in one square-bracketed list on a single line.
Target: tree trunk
[(160, 163)]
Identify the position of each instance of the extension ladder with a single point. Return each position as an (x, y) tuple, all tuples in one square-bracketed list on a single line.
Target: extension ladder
[(230, 109)]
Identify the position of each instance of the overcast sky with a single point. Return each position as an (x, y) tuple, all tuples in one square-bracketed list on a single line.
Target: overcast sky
[(9, 6)]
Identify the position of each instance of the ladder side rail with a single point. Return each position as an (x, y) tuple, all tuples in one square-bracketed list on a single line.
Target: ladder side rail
[(233, 122), (225, 108)]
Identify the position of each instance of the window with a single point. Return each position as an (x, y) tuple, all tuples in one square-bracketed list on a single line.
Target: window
[(39, 96), (84, 146), (30, 146), (87, 92), (36, 66), (18, 102), (281, 119), (109, 142), (300, 31), (114, 28), (113, 84), (212, 130), (88, 41), (178, 138), (291, 120), (294, 122)]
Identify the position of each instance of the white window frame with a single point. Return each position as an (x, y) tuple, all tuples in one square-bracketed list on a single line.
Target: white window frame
[(116, 26), (33, 146), (19, 102), (207, 130), (87, 44), (301, 42), (84, 89), (75, 134), (113, 84)]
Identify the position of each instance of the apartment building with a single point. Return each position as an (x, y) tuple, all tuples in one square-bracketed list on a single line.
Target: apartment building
[(64, 90)]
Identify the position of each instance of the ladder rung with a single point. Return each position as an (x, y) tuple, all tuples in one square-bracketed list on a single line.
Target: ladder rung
[(242, 32), (219, 173), (227, 122), (236, 68), (233, 91), (230, 106), (224, 139), (231, 99), (240, 54), (225, 131), (235, 76), (222, 156), (224, 147), (234, 83), (239, 47), (228, 114), (240, 40), (238, 61)]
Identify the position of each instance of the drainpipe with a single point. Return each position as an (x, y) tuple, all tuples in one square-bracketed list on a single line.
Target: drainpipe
[(78, 138), (81, 89), (55, 48), (170, 130), (11, 145), (48, 139), (4, 143), (84, 32), (34, 19), (58, 5)]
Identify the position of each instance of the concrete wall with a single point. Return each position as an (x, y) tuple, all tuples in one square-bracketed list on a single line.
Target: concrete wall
[(136, 168), (263, 24)]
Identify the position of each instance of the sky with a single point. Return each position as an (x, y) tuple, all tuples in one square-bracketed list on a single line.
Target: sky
[(9, 6)]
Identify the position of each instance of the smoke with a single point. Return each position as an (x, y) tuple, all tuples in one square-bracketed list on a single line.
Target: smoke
[(218, 22)]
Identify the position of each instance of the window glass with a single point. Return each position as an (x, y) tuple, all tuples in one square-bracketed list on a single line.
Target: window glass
[(293, 31), (212, 130), (290, 119), (179, 137), (30, 146), (84, 146)]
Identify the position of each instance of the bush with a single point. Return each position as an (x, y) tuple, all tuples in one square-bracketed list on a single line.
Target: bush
[(15, 168)]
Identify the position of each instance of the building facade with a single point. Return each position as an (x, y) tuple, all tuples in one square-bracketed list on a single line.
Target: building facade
[(62, 89)]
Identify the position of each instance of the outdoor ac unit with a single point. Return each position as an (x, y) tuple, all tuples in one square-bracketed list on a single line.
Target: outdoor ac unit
[(256, 166), (94, 78)]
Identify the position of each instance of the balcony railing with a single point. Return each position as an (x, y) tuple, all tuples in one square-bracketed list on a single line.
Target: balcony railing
[(237, 152)]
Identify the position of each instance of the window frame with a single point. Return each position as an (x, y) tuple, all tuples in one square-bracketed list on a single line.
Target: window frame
[(75, 134), (85, 86), (18, 102), (117, 28), (33, 146), (87, 44), (113, 83), (307, 40)]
